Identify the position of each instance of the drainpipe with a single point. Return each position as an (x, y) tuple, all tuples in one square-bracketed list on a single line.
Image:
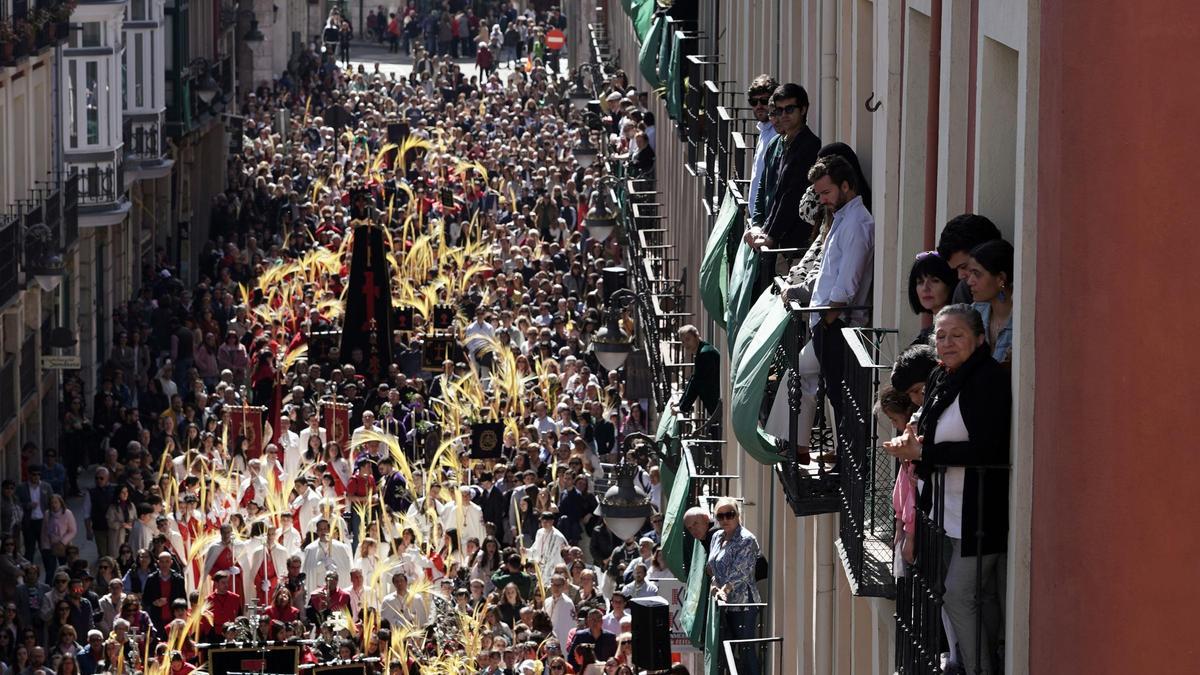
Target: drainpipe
[(932, 114)]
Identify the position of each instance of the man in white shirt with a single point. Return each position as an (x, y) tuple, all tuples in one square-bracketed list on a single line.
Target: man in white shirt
[(355, 590), (306, 504), (401, 608), (478, 339), (465, 517), (289, 442), (760, 98), (847, 264), (542, 420), (314, 427), (560, 608), (326, 555), (548, 545), (612, 620), (640, 587)]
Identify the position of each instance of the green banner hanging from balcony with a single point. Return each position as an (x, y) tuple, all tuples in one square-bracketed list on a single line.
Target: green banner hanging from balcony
[(675, 77), (694, 606), (675, 505), (714, 267), (664, 51), (753, 353), (628, 6), (740, 293), (643, 19), (667, 435), (648, 54), (714, 655)]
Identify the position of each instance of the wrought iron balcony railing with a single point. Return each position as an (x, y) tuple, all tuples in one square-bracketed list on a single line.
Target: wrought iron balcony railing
[(922, 592), (101, 177), (10, 257), (144, 136), (867, 523)]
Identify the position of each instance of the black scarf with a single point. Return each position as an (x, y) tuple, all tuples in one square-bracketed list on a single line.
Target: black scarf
[(943, 387)]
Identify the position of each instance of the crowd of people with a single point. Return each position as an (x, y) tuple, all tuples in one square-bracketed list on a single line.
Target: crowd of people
[(949, 396), (223, 504)]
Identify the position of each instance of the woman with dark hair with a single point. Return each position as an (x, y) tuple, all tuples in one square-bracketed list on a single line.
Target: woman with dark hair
[(964, 425), (990, 278), (931, 284), (485, 562)]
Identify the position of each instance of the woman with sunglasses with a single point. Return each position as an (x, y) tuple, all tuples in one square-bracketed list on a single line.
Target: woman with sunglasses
[(731, 560)]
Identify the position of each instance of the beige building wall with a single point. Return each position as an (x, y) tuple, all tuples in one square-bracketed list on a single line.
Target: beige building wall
[(846, 53)]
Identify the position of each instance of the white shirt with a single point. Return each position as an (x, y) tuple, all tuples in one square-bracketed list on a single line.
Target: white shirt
[(847, 263), (950, 429), (472, 521), (35, 496), (307, 433), (545, 425), (562, 616), (319, 559), (766, 133), (645, 589), (612, 623), (408, 611), (547, 549)]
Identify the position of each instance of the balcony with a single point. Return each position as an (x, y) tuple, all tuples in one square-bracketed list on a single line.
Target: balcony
[(101, 188), (144, 136), (31, 28), (10, 258)]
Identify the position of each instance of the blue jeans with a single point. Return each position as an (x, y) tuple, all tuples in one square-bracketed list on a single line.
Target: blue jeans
[(743, 625)]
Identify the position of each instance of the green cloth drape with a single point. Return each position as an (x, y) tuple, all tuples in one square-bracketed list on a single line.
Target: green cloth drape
[(648, 54), (714, 267), (675, 78), (643, 18), (714, 655), (629, 5), (741, 290), (664, 52), (752, 355), (667, 435), (675, 505), (695, 601)]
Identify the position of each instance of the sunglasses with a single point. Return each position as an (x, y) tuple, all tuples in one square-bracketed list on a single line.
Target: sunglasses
[(759, 100), (726, 515), (785, 110)]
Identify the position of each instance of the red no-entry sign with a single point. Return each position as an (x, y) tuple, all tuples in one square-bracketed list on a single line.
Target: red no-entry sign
[(555, 39)]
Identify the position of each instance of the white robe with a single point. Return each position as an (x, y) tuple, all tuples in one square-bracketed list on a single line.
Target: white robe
[(547, 550), (318, 561), (255, 560)]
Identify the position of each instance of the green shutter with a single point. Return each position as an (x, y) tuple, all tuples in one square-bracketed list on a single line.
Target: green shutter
[(695, 601), (648, 55), (753, 353), (714, 267), (741, 289), (676, 504)]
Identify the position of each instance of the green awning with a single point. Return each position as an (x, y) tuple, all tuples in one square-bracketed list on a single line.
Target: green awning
[(752, 356), (648, 55), (741, 289), (694, 606), (714, 267), (643, 18), (675, 77), (675, 506)]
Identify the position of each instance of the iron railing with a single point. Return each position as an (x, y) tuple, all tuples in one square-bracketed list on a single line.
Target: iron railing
[(70, 220), (867, 524), (144, 137), (921, 593), (734, 652), (29, 367), (101, 184), (10, 257)]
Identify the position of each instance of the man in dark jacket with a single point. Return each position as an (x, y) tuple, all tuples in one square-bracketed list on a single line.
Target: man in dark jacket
[(494, 505), (162, 587), (705, 383), (785, 178)]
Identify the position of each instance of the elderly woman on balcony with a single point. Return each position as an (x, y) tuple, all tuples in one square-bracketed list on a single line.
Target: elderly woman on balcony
[(732, 556), (964, 423)]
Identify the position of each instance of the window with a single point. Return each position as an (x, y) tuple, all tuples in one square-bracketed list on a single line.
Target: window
[(139, 71), (138, 10), (73, 102), (90, 34), (92, 102)]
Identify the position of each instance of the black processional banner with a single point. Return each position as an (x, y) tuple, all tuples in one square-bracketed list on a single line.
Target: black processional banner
[(276, 660), (367, 325)]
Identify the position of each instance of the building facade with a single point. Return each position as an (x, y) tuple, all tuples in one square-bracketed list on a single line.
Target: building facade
[(958, 106)]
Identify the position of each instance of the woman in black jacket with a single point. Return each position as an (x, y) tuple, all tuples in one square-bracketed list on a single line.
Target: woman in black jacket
[(964, 432)]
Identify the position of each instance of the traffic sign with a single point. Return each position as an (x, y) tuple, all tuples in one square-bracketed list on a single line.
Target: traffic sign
[(555, 40)]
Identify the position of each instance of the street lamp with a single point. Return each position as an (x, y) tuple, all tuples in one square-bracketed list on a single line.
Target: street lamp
[(625, 507), (611, 344), (585, 152), (601, 220)]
